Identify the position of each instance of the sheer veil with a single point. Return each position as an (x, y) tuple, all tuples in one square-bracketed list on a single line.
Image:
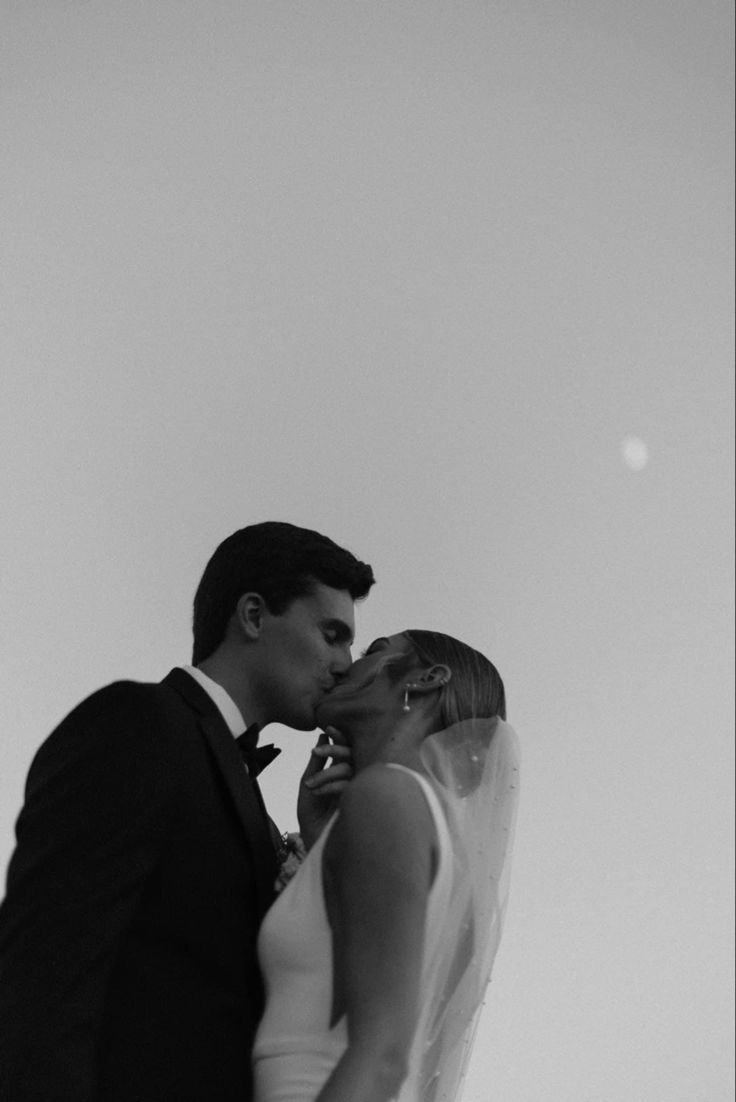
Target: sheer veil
[(475, 769)]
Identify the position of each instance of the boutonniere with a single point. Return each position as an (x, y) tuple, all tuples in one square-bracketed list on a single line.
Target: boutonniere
[(291, 854)]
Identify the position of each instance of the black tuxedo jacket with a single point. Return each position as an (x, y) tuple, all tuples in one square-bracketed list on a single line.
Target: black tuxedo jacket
[(143, 867)]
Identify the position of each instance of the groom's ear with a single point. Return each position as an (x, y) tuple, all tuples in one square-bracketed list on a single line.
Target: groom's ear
[(249, 614)]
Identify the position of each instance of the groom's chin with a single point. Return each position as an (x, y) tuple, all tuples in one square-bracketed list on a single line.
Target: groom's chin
[(323, 714), (319, 720), (305, 719), (305, 723)]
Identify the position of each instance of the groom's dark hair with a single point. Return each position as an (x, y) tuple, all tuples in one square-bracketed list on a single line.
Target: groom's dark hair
[(280, 562)]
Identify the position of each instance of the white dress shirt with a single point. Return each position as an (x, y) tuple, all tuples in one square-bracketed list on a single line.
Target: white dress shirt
[(224, 703)]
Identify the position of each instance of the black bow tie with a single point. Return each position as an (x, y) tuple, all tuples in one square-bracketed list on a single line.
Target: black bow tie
[(255, 757)]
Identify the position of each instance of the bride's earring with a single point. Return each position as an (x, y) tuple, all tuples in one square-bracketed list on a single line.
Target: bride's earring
[(407, 706)]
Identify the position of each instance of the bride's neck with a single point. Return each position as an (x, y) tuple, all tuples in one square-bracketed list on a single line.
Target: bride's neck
[(388, 740)]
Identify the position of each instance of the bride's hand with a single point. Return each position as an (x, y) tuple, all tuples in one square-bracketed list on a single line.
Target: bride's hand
[(322, 783)]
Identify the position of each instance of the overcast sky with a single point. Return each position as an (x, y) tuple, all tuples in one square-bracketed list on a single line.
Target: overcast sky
[(451, 283)]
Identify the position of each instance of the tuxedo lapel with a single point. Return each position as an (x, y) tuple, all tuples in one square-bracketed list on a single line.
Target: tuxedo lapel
[(247, 804), (241, 790)]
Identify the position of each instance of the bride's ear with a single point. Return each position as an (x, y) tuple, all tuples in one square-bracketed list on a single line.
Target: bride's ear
[(431, 679)]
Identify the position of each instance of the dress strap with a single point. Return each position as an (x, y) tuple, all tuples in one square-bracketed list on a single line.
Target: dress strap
[(426, 786)]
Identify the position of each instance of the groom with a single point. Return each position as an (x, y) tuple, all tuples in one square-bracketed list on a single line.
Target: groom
[(145, 859)]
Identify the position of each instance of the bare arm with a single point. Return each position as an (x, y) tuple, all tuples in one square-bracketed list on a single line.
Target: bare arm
[(378, 868)]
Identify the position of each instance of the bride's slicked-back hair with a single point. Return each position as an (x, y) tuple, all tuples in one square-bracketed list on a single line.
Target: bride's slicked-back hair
[(279, 561), (475, 688)]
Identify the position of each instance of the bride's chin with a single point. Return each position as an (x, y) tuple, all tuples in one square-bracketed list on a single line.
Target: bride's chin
[(331, 713)]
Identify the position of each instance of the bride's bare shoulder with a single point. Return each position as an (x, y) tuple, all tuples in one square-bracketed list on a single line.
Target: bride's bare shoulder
[(382, 805)]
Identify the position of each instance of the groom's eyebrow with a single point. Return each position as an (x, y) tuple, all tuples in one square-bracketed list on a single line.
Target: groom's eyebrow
[(343, 632)]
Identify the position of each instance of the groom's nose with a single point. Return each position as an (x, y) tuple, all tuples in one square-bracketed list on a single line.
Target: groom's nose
[(341, 662)]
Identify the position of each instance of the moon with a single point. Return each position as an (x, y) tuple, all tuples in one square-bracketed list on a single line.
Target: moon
[(634, 453)]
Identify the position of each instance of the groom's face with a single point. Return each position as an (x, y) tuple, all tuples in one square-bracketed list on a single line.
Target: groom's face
[(375, 685), (305, 652)]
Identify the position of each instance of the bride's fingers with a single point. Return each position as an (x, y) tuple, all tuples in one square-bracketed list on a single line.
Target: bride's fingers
[(318, 756), (332, 743), (337, 770), (318, 772), (340, 773), (336, 736), (334, 788), (328, 750)]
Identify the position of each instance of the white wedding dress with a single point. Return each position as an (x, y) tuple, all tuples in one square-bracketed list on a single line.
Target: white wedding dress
[(295, 1049)]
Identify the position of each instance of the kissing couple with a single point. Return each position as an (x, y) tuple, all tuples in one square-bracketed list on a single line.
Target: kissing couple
[(146, 953)]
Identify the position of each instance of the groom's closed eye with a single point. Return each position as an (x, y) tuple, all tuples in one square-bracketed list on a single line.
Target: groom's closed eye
[(337, 632)]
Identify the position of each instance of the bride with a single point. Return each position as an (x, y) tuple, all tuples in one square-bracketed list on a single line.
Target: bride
[(377, 954)]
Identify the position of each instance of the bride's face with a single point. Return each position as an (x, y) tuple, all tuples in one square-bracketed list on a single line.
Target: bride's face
[(371, 686)]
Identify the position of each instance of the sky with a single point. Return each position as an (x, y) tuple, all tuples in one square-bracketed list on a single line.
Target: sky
[(451, 283)]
